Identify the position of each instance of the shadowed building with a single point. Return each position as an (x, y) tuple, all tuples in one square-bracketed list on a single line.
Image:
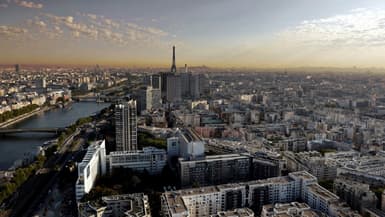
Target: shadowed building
[(125, 126)]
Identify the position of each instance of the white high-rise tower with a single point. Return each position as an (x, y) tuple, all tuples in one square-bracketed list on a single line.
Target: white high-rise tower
[(126, 126)]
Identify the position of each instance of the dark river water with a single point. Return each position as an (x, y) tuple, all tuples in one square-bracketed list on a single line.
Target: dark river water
[(17, 146)]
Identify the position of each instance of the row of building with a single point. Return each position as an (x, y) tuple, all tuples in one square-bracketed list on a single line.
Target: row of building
[(206, 201), (97, 163)]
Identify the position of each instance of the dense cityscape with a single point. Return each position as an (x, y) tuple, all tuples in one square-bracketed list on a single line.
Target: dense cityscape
[(139, 109), (217, 144)]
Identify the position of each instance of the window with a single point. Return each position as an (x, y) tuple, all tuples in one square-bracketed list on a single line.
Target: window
[(88, 171)]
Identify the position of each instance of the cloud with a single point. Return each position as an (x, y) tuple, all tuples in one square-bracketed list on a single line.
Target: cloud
[(76, 34), (111, 23), (37, 23), (29, 4), (92, 16), (146, 30), (11, 32), (115, 31), (3, 5), (88, 27), (40, 28), (358, 28), (77, 29), (69, 19), (356, 37), (58, 29)]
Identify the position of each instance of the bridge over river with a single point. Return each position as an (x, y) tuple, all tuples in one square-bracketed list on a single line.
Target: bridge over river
[(5, 131)]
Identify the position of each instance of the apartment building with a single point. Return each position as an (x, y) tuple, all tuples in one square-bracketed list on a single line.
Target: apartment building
[(116, 206), (150, 159), (92, 165), (255, 194)]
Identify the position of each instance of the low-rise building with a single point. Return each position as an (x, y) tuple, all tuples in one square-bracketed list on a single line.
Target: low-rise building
[(292, 209), (127, 205), (356, 194), (206, 201), (216, 169), (149, 159), (241, 212)]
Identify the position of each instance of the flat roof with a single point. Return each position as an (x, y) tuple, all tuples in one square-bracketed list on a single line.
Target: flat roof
[(241, 212), (175, 202), (322, 192)]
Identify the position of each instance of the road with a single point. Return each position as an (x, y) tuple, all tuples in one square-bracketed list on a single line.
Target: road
[(34, 190)]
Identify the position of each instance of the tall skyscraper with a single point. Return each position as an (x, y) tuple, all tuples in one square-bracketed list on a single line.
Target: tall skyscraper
[(185, 82), (173, 67), (153, 98), (174, 88), (156, 81), (17, 68), (126, 126), (141, 99), (153, 80), (163, 88)]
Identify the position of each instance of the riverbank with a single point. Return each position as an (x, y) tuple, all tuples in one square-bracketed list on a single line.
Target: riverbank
[(53, 161), (24, 116), (14, 146)]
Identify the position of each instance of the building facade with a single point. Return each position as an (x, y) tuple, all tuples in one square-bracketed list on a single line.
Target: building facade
[(174, 88), (149, 159), (292, 209), (116, 206), (216, 169), (206, 201), (92, 165), (126, 126), (153, 98)]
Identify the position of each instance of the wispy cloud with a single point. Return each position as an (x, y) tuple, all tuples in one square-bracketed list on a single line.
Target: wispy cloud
[(29, 4), (86, 28), (98, 27), (11, 32), (358, 28)]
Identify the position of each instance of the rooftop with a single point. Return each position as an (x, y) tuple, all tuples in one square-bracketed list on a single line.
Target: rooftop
[(243, 212), (90, 152), (175, 203), (322, 192), (135, 152)]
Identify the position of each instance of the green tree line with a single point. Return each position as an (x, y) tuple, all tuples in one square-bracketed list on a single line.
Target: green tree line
[(147, 139), (19, 177), (17, 112), (23, 173)]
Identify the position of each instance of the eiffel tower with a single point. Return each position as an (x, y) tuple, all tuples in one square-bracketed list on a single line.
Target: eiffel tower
[(173, 67)]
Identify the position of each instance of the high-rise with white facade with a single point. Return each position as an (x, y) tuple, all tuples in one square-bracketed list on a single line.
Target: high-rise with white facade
[(153, 98), (92, 165), (126, 126)]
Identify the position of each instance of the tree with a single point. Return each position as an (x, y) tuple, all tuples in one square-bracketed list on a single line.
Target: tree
[(17, 112), (135, 181)]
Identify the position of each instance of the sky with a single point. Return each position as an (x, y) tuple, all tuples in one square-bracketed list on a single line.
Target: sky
[(217, 33)]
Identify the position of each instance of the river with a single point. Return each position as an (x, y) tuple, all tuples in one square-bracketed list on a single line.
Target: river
[(15, 147)]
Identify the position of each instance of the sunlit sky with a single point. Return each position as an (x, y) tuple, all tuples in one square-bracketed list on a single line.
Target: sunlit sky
[(220, 33)]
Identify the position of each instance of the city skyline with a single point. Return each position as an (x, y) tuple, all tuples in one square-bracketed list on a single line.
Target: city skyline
[(260, 33)]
